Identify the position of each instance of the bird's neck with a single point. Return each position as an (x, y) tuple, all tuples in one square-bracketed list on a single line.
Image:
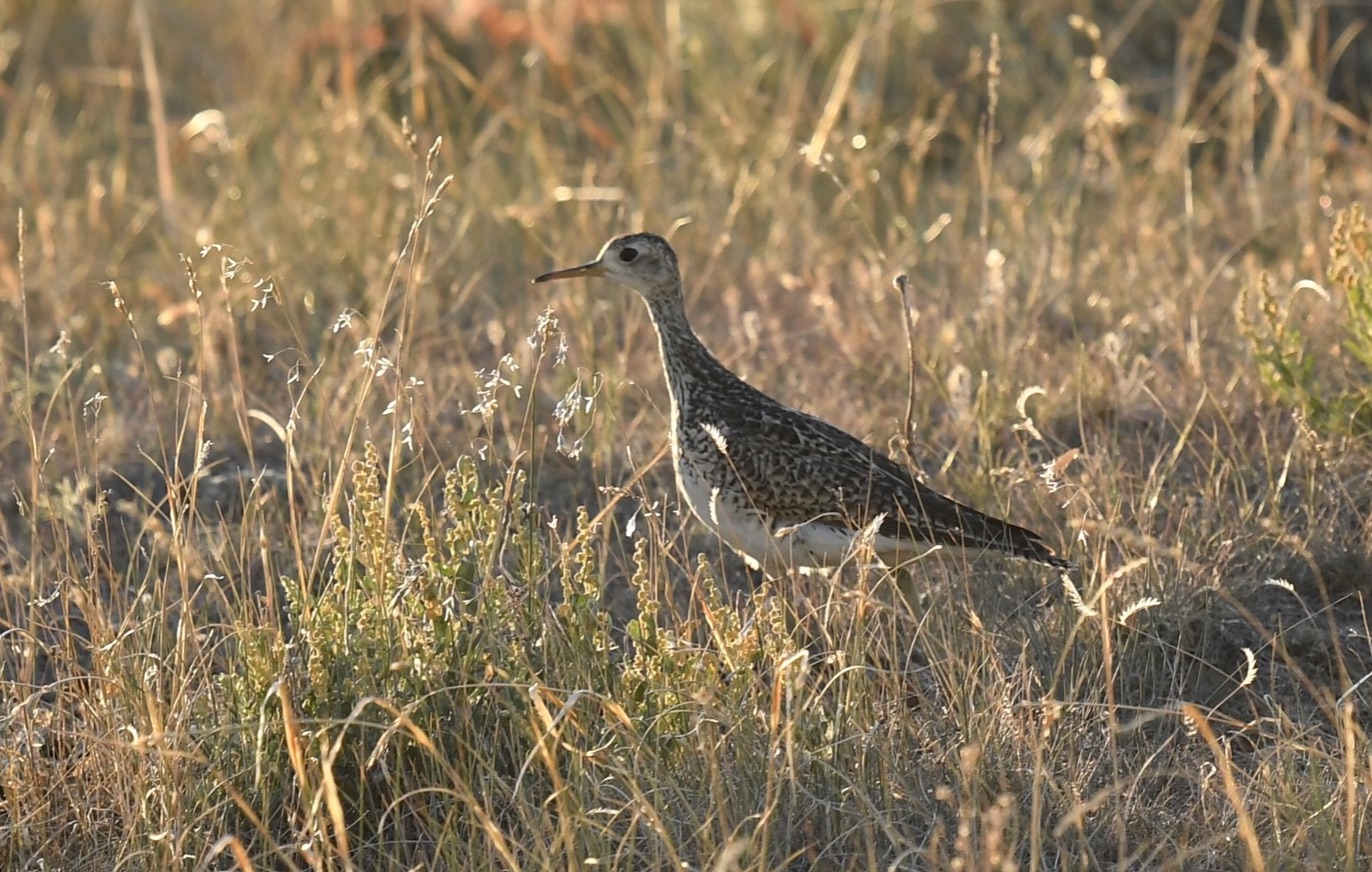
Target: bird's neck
[(689, 365)]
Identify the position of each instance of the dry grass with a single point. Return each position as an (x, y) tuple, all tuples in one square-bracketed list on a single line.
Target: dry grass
[(311, 561)]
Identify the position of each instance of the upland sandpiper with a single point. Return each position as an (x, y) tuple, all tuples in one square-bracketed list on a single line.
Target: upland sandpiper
[(783, 488)]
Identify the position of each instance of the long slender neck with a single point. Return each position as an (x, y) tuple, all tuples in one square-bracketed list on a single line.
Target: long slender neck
[(688, 363)]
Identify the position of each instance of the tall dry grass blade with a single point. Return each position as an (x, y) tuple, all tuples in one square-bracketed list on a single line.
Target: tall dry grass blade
[(1248, 835), (157, 112)]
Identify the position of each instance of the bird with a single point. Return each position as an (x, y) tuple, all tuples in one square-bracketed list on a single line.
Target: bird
[(783, 488)]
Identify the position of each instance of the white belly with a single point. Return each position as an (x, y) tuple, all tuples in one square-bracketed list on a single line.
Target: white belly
[(743, 530), (776, 548)]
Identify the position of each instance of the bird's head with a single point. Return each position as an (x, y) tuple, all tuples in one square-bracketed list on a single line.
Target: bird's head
[(642, 261)]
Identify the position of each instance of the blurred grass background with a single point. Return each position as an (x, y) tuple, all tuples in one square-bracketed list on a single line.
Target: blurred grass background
[(328, 542)]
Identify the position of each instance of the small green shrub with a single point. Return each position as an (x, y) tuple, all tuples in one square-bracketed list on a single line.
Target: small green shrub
[(1298, 370)]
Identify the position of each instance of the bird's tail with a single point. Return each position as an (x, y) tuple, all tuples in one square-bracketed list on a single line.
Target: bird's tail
[(945, 521), (997, 535)]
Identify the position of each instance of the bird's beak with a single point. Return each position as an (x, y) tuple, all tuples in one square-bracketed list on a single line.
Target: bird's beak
[(573, 272)]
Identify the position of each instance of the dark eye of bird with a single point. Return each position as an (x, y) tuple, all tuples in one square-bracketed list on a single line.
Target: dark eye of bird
[(627, 255)]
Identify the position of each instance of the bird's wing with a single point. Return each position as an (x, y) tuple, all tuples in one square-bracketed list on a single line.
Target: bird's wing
[(802, 470)]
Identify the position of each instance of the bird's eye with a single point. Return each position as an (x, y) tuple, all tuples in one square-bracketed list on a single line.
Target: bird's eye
[(627, 255)]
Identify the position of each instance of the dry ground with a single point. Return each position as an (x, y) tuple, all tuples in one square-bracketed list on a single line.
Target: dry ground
[(328, 542)]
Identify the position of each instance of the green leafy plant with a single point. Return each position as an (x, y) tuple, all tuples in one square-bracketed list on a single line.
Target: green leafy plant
[(1296, 369)]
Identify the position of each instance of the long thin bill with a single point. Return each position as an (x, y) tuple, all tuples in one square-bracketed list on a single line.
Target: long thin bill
[(572, 272)]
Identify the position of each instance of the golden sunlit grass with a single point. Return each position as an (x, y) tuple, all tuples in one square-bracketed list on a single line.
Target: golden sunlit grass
[(328, 542)]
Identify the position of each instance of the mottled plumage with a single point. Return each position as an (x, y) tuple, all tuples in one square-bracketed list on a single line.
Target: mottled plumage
[(783, 488)]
